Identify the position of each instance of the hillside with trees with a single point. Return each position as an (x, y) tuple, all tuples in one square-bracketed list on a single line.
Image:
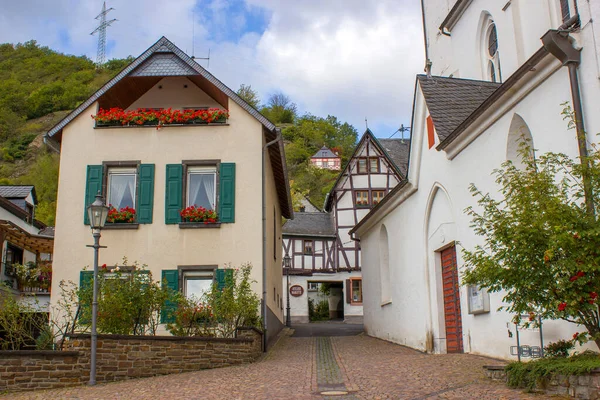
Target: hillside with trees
[(39, 86)]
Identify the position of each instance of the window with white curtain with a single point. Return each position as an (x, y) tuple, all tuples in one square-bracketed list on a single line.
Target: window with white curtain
[(202, 186), (196, 283), (121, 187)]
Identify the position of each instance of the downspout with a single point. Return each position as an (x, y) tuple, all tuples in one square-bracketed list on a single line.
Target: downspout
[(428, 62), (557, 43), (264, 232)]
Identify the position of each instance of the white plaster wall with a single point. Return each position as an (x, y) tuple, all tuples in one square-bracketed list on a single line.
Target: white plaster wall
[(414, 312)]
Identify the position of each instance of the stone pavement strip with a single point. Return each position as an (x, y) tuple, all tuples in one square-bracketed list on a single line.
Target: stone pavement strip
[(303, 367)]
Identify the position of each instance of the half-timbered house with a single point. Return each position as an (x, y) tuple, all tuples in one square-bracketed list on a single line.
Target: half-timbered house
[(318, 243)]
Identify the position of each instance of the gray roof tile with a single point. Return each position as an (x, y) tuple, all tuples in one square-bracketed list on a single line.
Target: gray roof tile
[(310, 224), (164, 64), (325, 153), (451, 100), (398, 150), (15, 192)]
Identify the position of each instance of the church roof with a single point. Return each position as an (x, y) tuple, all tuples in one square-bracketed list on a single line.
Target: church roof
[(325, 153), (451, 100), (310, 224)]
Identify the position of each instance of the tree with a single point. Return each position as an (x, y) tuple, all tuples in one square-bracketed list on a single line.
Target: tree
[(280, 109), (249, 95), (541, 246)]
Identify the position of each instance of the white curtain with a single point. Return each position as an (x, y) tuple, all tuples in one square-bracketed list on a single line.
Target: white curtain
[(121, 191), (202, 190)]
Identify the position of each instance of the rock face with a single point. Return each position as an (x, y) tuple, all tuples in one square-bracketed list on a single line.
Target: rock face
[(124, 357)]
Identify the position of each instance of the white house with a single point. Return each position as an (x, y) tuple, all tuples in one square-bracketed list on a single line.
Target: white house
[(318, 243), (492, 81)]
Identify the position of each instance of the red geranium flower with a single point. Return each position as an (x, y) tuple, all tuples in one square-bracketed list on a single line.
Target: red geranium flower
[(562, 306)]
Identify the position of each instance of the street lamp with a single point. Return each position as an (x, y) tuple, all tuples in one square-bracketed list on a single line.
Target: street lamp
[(97, 213), (287, 263)]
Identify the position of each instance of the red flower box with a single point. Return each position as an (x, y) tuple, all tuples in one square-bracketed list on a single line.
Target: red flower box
[(142, 116), (123, 216), (199, 214)]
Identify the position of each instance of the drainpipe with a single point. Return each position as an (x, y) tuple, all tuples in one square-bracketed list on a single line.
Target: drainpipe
[(557, 43), (264, 232)]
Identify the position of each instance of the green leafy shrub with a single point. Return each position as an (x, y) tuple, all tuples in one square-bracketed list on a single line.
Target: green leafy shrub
[(531, 374), (560, 348), (19, 323), (222, 310), (129, 301), (318, 312)]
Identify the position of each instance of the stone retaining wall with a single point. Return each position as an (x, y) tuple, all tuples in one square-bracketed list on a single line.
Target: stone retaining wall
[(586, 387), (31, 369), (124, 357)]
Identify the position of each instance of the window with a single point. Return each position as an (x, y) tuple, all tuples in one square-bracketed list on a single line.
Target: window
[(14, 255), (197, 282), (313, 286), (377, 196), (490, 53), (362, 166), (356, 285), (201, 186), (308, 247), (121, 187), (29, 208), (374, 165), (362, 198)]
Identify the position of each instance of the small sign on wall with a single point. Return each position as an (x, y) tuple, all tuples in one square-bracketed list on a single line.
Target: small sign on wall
[(479, 300), (296, 290)]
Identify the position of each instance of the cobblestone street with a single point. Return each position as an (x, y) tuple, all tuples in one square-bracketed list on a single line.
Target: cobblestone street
[(305, 367)]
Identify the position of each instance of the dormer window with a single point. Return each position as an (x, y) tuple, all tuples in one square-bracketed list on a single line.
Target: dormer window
[(29, 208)]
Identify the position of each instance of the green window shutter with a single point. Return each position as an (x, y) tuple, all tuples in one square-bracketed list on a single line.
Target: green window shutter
[(222, 276), (145, 201), (86, 280), (170, 279), (173, 193), (227, 192), (93, 185)]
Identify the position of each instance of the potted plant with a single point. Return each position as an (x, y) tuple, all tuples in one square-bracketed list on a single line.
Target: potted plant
[(199, 214), (125, 215)]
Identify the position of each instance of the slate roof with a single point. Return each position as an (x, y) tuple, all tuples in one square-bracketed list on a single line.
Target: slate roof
[(47, 231), (310, 224), (325, 153), (15, 192), (451, 100), (398, 150)]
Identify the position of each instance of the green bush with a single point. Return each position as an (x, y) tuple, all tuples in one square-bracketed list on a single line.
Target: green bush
[(528, 375), (559, 349), (318, 312)]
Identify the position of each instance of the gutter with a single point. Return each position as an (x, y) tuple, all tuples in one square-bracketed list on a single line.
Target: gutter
[(264, 232)]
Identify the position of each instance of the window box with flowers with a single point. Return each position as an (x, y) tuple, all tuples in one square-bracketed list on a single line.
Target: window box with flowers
[(117, 117), (123, 218), (198, 217)]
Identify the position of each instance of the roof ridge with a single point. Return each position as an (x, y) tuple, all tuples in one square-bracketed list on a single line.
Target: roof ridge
[(451, 78)]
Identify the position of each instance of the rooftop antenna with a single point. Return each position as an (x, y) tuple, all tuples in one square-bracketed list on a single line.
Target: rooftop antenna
[(101, 30), (194, 43), (402, 129), (366, 123)]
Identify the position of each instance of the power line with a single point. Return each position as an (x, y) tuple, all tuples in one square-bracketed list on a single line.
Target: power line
[(402, 129)]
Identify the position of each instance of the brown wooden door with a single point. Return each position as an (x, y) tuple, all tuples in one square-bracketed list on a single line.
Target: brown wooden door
[(454, 342)]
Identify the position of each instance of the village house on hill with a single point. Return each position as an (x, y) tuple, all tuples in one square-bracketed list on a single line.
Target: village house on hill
[(326, 159), (215, 160), (492, 83), (319, 244)]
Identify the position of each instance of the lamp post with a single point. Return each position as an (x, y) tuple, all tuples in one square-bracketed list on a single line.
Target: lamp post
[(287, 262), (97, 213)]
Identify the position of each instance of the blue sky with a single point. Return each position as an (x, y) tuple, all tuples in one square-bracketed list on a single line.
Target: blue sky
[(349, 58)]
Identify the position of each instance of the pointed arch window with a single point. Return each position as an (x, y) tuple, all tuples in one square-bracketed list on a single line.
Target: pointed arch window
[(491, 36)]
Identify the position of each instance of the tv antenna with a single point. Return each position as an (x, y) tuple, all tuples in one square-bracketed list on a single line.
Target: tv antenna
[(402, 129), (101, 30), (194, 43)]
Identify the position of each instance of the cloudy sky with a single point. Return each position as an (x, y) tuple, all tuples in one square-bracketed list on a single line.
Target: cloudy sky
[(349, 58)]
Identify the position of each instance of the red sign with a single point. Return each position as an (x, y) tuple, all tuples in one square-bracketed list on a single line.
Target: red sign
[(296, 290)]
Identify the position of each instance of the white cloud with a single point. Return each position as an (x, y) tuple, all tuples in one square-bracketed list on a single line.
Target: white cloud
[(349, 58)]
